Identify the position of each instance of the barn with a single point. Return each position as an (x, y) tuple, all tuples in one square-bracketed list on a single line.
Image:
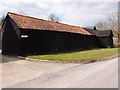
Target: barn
[(104, 37), (24, 35)]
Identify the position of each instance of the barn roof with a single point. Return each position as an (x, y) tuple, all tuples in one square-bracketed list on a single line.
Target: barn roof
[(91, 27), (92, 31), (26, 22), (99, 33), (103, 33)]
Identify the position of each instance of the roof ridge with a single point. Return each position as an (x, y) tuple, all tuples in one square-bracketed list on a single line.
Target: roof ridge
[(43, 20), (10, 13), (27, 16)]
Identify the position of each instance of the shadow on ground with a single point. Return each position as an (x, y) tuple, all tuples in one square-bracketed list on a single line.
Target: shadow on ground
[(6, 58)]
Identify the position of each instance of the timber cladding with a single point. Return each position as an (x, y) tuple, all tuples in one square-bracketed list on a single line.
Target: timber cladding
[(10, 39), (43, 42), (23, 35)]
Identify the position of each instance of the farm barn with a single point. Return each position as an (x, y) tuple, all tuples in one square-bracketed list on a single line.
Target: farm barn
[(104, 37), (24, 35)]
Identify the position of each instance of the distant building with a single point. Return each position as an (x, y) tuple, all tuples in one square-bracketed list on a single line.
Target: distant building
[(23, 35), (91, 27), (105, 37)]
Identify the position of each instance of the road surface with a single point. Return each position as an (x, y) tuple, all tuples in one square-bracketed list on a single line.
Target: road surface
[(103, 74), (16, 71)]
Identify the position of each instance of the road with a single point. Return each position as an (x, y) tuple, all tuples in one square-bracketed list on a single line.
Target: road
[(16, 71), (103, 74)]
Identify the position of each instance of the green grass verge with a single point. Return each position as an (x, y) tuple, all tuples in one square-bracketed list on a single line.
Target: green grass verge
[(79, 55)]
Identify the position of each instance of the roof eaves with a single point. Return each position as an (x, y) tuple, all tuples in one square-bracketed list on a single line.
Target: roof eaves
[(84, 31)]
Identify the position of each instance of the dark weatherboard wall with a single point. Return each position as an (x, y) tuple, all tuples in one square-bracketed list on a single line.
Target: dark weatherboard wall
[(10, 39), (106, 42), (45, 41), (104, 37)]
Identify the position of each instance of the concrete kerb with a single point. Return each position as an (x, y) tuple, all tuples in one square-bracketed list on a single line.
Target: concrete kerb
[(81, 62), (56, 61)]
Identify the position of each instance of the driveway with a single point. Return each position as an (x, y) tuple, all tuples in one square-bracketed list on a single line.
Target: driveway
[(35, 74)]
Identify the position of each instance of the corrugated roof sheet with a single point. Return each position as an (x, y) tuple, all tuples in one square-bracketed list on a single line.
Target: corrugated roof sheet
[(27, 22)]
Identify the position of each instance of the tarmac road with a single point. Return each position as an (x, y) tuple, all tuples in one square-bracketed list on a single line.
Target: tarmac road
[(103, 74), (16, 71)]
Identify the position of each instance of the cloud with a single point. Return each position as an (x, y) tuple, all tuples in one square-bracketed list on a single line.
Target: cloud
[(84, 13), (74, 13)]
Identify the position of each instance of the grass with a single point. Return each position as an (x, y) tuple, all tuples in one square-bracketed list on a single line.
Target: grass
[(79, 55)]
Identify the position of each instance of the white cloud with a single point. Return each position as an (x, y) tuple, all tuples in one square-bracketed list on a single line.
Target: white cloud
[(83, 13), (81, 1), (18, 1), (74, 13), (42, 5)]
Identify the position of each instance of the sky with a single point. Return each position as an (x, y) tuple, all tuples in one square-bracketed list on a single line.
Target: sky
[(78, 13)]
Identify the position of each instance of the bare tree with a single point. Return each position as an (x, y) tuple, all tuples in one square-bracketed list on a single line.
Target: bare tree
[(113, 19), (53, 18), (102, 25), (2, 20), (111, 24)]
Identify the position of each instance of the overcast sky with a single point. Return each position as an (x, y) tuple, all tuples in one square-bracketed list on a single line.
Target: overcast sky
[(78, 13)]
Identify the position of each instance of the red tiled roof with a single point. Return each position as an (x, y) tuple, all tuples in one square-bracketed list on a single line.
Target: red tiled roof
[(27, 22)]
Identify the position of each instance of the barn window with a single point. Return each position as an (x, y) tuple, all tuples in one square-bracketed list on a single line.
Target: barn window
[(24, 36)]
